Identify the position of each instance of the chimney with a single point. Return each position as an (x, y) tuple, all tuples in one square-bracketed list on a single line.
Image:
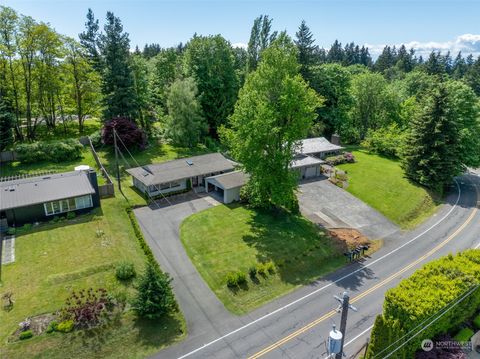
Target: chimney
[(92, 177), (335, 140)]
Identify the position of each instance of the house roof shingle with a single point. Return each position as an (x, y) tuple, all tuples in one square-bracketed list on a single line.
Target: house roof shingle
[(300, 161), (317, 145), (34, 190), (230, 180), (182, 168)]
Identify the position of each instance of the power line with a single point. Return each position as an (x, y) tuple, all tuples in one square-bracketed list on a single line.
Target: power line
[(138, 165), (447, 309)]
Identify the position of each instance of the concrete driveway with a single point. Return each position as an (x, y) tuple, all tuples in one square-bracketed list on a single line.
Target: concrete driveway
[(324, 203), (160, 225)]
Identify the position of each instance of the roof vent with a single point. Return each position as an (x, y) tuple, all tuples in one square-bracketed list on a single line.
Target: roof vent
[(11, 188), (189, 162), (48, 177)]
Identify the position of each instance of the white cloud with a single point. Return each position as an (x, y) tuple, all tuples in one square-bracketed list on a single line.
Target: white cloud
[(466, 43), (240, 44)]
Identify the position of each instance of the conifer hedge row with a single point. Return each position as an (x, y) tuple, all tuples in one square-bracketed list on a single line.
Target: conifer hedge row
[(420, 298)]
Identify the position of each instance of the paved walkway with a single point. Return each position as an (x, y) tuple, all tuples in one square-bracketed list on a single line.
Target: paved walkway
[(324, 203), (8, 253), (160, 225)]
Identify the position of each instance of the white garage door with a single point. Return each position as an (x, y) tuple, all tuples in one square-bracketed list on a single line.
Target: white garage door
[(310, 172)]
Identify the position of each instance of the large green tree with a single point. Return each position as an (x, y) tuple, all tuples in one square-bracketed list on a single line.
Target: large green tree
[(332, 82), (119, 96), (164, 69), (185, 122), (432, 148), (274, 111), (210, 61)]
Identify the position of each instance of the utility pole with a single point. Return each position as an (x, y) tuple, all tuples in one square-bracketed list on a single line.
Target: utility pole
[(116, 158), (343, 307)]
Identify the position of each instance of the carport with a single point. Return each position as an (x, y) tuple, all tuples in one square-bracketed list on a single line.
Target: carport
[(226, 185)]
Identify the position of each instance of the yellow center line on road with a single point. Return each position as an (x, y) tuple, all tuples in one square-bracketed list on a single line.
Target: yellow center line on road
[(365, 293)]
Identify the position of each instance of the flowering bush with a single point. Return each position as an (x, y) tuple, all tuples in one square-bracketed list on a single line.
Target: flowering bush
[(130, 135)]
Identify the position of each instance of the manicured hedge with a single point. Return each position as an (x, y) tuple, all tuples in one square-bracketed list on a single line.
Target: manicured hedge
[(54, 151), (138, 233), (421, 297)]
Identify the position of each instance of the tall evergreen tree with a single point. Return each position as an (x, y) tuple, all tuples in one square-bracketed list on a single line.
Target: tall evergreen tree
[(117, 85), (472, 76), (365, 58), (155, 296), (306, 49), (431, 155), (459, 66), (435, 64), (335, 54), (90, 40)]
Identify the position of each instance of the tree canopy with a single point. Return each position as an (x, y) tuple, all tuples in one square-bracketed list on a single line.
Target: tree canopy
[(274, 111)]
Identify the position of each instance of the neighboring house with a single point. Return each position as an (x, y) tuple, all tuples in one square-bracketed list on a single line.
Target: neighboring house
[(319, 147), (40, 198), (178, 175)]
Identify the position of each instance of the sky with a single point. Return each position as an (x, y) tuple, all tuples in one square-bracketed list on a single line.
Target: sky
[(424, 24)]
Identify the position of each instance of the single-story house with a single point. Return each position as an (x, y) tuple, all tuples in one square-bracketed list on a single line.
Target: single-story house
[(228, 185), (178, 175), (39, 198), (319, 147)]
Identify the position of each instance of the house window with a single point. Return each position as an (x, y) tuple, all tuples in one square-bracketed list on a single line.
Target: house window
[(174, 184), (66, 205), (164, 186)]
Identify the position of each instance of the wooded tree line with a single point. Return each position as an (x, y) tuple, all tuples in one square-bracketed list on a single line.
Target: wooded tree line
[(188, 92)]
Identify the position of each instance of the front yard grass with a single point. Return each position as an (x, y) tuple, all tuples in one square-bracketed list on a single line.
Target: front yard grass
[(380, 182), (233, 238), (55, 258)]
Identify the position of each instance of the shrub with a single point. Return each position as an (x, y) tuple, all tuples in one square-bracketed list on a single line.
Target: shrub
[(252, 272), (130, 135), (56, 219), (71, 215), (66, 326), (385, 141), (26, 227), (52, 326), (96, 138), (125, 271), (464, 335), (428, 291), (86, 307), (231, 280), (476, 322), (270, 267), (241, 278), (261, 269), (54, 151), (26, 334), (235, 279), (11, 231), (154, 293)]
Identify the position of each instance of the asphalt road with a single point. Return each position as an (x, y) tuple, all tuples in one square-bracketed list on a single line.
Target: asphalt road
[(297, 325)]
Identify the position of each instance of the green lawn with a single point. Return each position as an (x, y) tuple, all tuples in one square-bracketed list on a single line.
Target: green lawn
[(380, 182), (53, 259), (56, 258), (230, 238)]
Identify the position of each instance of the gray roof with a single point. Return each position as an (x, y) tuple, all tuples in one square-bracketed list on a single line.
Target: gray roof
[(305, 161), (34, 190), (182, 168), (317, 145), (229, 180)]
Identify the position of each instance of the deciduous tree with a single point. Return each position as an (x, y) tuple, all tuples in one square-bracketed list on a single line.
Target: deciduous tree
[(274, 111)]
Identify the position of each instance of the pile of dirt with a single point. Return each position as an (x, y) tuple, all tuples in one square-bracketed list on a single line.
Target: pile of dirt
[(348, 238)]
